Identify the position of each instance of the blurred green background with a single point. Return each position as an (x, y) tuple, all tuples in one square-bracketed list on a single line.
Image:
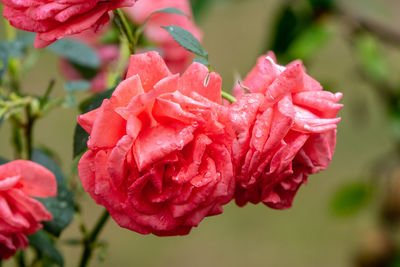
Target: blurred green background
[(309, 234)]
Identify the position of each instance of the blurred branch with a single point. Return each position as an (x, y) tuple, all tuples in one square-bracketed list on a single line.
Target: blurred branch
[(91, 239), (378, 29)]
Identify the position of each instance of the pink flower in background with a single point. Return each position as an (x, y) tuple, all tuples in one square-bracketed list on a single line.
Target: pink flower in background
[(107, 53), (176, 57), (20, 213), (286, 130), (159, 154), (52, 20)]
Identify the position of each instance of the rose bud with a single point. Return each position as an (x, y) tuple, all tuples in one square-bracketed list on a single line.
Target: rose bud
[(286, 130), (159, 155), (20, 213)]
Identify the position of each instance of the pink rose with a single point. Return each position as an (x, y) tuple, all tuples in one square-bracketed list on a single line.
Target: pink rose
[(159, 154), (20, 214), (176, 57), (108, 54), (52, 20), (286, 130)]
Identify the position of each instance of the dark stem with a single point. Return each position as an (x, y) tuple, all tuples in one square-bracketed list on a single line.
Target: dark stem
[(91, 239), (28, 132), (381, 31), (123, 25), (20, 257), (16, 139), (13, 69), (48, 91)]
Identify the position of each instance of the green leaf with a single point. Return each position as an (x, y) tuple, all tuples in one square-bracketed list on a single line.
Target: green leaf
[(61, 206), (87, 73), (351, 198), (186, 40), (3, 161), (110, 37), (371, 57), (80, 135), (27, 38), (202, 61), (44, 159), (62, 209), (80, 140), (289, 24), (171, 10), (4, 58), (309, 41), (42, 242), (97, 100), (200, 6), (14, 48), (76, 52), (70, 101), (77, 86), (322, 4), (72, 242)]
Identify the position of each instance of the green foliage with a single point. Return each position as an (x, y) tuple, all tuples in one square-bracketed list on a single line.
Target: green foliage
[(371, 57), (80, 140), (13, 48), (186, 40), (322, 4), (138, 34), (170, 10), (288, 26), (80, 135), (199, 6), (309, 41), (110, 37), (43, 243), (77, 86), (202, 61), (351, 198), (87, 73), (76, 52), (4, 57), (3, 161), (61, 206)]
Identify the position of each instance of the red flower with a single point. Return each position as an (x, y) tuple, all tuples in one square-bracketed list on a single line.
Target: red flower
[(159, 154), (286, 130), (20, 214), (176, 57), (52, 20)]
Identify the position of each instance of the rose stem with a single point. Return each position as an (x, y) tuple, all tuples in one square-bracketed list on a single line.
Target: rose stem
[(228, 96), (125, 29), (91, 239)]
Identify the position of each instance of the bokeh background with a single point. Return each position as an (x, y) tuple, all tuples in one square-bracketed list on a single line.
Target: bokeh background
[(338, 52)]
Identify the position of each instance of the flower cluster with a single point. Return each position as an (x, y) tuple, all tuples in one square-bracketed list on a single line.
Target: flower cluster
[(164, 153), (20, 213)]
